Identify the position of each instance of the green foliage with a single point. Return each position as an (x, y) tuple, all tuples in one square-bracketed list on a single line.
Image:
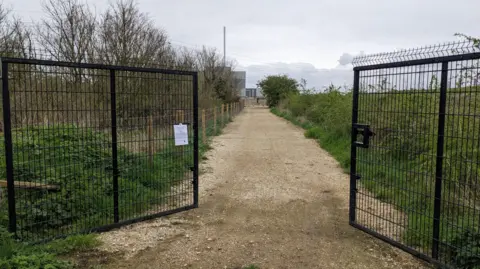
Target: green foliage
[(464, 250), (277, 87), (7, 244), (35, 261), (72, 243), (15, 255), (251, 267)]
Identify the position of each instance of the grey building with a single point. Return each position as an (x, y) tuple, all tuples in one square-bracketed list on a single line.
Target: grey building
[(240, 81)]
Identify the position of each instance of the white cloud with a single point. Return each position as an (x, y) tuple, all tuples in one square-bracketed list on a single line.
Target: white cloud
[(318, 78)]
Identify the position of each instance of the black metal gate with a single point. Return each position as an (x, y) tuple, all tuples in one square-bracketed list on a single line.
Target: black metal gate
[(415, 158), (91, 147)]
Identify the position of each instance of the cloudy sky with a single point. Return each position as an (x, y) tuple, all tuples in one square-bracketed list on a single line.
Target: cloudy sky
[(311, 39)]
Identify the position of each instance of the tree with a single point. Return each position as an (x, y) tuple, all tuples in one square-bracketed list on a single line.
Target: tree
[(68, 33), (129, 37), (277, 87)]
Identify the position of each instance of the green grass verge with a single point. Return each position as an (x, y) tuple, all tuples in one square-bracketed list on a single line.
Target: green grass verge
[(16, 255), (400, 168)]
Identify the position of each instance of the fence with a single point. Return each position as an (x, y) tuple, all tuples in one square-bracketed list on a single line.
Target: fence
[(91, 147), (415, 171), (214, 119)]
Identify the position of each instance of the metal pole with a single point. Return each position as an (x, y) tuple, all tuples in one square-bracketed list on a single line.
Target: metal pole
[(195, 140), (353, 152), (113, 111), (439, 165), (7, 133), (224, 46)]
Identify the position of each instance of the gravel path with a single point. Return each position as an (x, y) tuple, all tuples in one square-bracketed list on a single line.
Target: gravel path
[(269, 197)]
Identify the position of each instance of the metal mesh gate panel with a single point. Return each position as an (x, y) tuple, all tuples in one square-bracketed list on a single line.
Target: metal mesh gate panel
[(90, 147), (416, 152)]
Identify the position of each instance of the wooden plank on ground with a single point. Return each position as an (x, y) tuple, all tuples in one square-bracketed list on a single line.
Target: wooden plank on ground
[(30, 185)]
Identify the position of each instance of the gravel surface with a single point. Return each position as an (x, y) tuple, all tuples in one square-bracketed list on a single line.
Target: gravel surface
[(269, 197)]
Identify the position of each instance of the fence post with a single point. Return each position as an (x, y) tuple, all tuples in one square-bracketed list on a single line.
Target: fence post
[(222, 116), (353, 150), (113, 111), (439, 161), (150, 140), (204, 131), (195, 140), (214, 120), (7, 125)]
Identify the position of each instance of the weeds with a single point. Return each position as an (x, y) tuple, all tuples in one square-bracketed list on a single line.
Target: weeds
[(16, 255)]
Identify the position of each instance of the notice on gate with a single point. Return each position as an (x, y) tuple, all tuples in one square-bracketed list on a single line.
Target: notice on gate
[(181, 134)]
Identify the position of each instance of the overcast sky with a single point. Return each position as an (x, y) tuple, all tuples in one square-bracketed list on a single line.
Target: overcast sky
[(313, 39)]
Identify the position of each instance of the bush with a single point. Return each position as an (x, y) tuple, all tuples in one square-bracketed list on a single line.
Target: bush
[(277, 88), (35, 261), (464, 250)]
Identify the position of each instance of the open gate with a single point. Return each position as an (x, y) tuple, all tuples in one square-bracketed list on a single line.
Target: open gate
[(415, 154), (90, 147)]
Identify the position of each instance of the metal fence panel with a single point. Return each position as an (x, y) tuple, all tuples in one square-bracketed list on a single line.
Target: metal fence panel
[(90, 147), (415, 152)]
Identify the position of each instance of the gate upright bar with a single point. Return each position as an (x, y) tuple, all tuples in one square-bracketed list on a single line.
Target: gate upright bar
[(353, 151), (439, 160), (7, 126), (195, 140), (113, 109)]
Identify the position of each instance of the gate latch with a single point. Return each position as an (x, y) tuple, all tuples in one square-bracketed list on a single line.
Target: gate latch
[(364, 130)]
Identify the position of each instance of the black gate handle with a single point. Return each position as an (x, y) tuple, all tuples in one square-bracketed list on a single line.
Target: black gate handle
[(364, 130)]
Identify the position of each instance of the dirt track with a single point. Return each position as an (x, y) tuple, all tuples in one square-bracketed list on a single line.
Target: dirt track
[(269, 197)]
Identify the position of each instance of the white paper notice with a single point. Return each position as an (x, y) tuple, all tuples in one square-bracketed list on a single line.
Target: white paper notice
[(181, 134)]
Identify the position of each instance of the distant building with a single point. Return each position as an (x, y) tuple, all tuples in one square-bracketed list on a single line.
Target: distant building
[(251, 92), (240, 81)]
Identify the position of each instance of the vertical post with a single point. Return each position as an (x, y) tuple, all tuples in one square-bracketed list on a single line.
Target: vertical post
[(204, 131), (224, 46), (439, 161), (228, 112), (353, 150), (150, 140), (7, 125), (113, 110), (222, 116), (214, 120), (195, 139)]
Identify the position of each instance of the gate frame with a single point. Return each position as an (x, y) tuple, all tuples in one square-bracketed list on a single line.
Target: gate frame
[(5, 61), (444, 60)]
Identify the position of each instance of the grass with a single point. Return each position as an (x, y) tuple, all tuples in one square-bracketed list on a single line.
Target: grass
[(399, 167), (16, 255)]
